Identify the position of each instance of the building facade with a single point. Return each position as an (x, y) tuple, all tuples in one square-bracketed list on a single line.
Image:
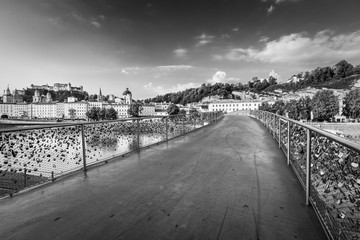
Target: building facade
[(228, 106)]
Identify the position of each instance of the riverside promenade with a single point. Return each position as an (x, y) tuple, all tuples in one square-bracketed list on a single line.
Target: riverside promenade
[(229, 180)]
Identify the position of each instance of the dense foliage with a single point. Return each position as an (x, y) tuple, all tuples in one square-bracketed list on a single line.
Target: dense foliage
[(59, 96), (173, 109), (341, 76), (325, 105), (352, 104), (96, 114), (135, 109), (223, 90)]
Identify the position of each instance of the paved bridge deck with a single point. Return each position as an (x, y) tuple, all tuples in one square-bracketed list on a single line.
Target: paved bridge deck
[(227, 181)]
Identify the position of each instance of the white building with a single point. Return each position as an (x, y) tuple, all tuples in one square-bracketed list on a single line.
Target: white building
[(42, 110), (161, 112), (148, 110), (80, 109), (60, 110), (71, 99), (121, 109), (232, 105), (7, 109), (96, 104), (21, 110)]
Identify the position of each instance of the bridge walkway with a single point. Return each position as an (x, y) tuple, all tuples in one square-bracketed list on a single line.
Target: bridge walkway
[(226, 181)]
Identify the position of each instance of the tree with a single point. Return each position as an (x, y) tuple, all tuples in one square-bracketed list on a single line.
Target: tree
[(265, 106), (72, 113), (111, 114), (272, 80), (93, 114), (304, 108), (352, 104), (135, 110), (102, 114), (343, 69), (292, 110), (325, 105), (278, 107), (173, 109)]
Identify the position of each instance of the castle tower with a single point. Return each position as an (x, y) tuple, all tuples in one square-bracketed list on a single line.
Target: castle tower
[(48, 97), (7, 96), (36, 97), (127, 96)]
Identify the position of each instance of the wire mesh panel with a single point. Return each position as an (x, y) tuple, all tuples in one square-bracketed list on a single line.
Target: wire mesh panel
[(175, 126), (298, 151), (108, 139), (335, 178), (31, 156), (152, 131), (284, 135), (276, 127)]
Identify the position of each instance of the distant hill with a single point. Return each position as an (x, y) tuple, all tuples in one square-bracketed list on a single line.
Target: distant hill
[(342, 75), (342, 83)]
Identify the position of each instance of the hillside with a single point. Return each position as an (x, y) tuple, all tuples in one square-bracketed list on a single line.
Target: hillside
[(342, 75), (60, 96)]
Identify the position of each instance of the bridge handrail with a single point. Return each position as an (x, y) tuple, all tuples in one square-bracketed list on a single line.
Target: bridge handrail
[(327, 167), (77, 123), (31, 155)]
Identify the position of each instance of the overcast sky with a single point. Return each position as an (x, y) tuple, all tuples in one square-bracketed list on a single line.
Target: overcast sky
[(154, 47)]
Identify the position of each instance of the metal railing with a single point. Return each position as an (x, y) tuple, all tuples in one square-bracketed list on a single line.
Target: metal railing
[(34, 155), (327, 167)]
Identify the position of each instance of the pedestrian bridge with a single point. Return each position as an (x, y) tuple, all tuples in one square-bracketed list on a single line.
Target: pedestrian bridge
[(228, 180)]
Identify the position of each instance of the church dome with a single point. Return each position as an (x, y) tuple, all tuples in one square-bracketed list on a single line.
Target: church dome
[(127, 92)]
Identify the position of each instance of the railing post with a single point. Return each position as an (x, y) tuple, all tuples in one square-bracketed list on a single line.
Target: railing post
[(167, 127), (308, 165), (83, 146), (52, 176), (183, 124), (25, 177), (273, 126), (279, 132), (138, 133), (288, 144)]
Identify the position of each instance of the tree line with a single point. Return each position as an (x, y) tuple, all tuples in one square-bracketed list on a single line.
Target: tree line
[(223, 90), (324, 106), (340, 76)]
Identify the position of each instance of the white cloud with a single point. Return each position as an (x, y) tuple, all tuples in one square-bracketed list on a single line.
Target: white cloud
[(170, 68), (180, 52), (176, 88), (161, 71), (130, 70), (96, 24), (297, 48), (78, 17), (274, 75), (220, 77), (203, 39), (271, 9)]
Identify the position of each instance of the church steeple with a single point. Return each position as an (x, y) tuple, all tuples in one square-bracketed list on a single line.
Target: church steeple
[(100, 98)]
